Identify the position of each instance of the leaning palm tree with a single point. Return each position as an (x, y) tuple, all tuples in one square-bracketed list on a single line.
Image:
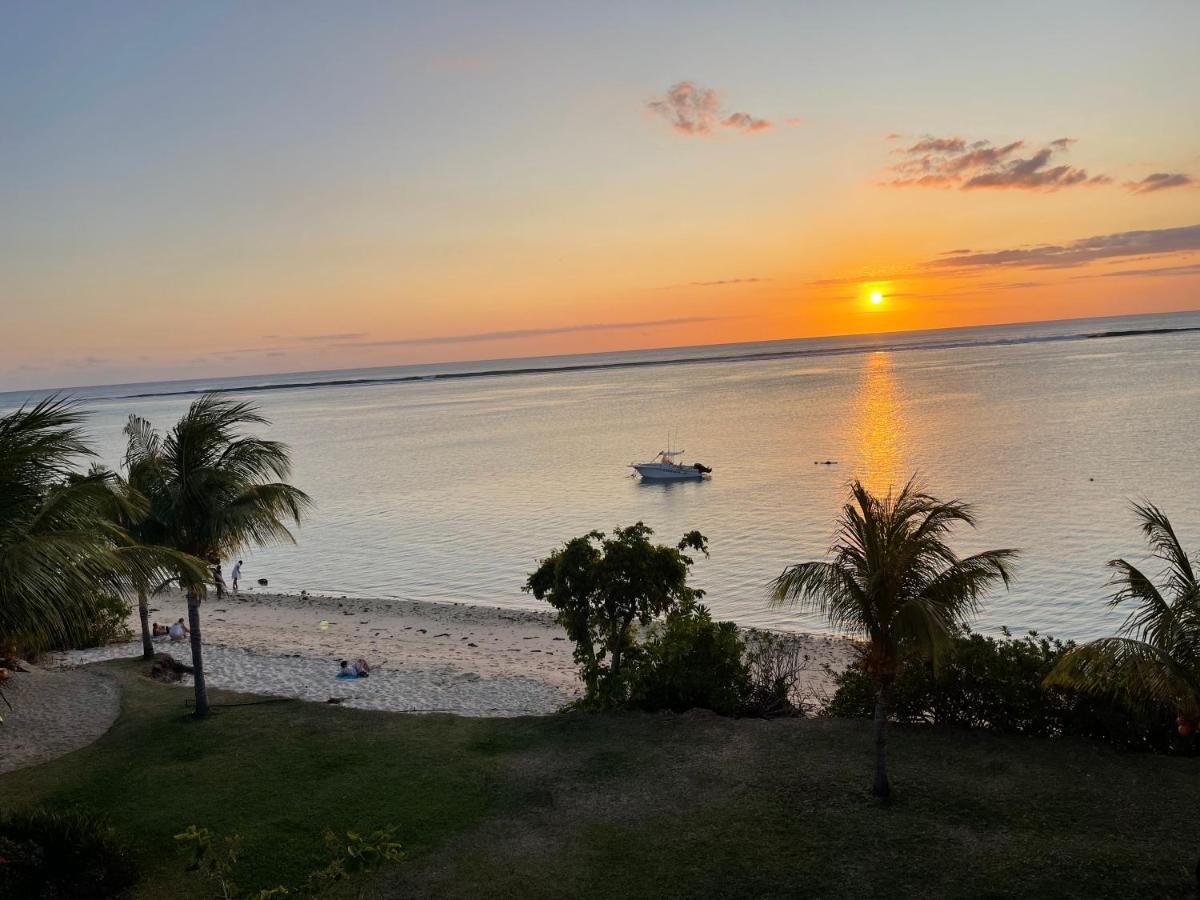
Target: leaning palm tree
[(894, 580), (1154, 661), (211, 491), (61, 553)]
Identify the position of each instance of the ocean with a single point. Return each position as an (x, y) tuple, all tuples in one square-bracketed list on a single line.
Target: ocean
[(447, 482)]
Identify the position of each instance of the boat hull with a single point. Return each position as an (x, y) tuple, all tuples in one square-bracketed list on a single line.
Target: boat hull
[(660, 472)]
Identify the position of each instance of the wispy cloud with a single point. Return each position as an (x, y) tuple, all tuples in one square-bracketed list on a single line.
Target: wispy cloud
[(1079, 252), (953, 162), (1158, 272), (727, 281), (865, 278), (484, 336), (343, 336), (1160, 181), (696, 111), (317, 338)]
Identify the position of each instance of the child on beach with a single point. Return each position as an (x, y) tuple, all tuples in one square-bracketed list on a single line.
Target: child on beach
[(178, 632), (158, 630)]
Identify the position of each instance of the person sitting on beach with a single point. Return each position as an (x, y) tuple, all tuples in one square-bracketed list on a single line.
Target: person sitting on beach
[(356, 669), (159, 630), (178, 632)]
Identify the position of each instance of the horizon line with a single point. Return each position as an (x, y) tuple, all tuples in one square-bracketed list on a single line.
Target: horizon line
[(586, 366)]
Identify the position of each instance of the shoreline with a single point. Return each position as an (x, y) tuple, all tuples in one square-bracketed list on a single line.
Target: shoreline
[(425, 656)]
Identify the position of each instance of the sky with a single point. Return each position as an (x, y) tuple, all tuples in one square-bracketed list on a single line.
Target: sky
[(191, 190)]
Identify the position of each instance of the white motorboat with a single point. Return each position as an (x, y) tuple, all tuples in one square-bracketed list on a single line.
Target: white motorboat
[(666, 467)]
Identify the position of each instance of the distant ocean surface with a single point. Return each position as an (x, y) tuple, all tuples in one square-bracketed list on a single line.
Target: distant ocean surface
[(447, 482)]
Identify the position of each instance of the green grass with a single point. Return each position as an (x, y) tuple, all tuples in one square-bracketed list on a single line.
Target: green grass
[(630, 805)]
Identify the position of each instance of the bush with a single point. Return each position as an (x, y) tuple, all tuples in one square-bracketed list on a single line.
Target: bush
[(774, 663), (51, 855), (688, 661), (996, 683), (107, 625)]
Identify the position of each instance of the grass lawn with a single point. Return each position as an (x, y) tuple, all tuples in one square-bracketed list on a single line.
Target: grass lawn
[(630, 805)]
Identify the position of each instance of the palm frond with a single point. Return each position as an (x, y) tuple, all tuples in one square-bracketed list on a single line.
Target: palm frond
[(1160, 535), (892, 576), (1135, 672)]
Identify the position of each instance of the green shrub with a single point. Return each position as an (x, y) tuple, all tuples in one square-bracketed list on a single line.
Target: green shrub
[(607, 587), (62, 855), (688, 661), (108, 624), (996, 683)]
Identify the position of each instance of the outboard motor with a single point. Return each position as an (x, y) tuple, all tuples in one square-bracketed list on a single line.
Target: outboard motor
[(702, 469)]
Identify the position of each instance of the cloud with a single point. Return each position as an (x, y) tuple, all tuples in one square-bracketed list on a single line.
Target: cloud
[(745, 122), (1191, 269), (953, 162), (695, 111), (1160, 181), (726, 281), (862, 279), (343, 336), (1080, 252), (484, 336)]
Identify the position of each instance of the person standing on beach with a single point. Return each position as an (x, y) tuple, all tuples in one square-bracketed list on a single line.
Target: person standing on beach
[(235, 575), (218, 580)]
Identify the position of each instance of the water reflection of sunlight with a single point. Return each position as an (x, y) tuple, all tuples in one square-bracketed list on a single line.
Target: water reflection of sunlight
[(879, 416)]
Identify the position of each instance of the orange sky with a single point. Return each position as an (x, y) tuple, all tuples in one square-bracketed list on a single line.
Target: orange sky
[(209, 193)]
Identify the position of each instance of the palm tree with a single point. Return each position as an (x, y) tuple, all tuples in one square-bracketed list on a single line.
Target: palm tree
[(61, 552), (1154, 661), (211, 492), (894, 580), (129, 508)]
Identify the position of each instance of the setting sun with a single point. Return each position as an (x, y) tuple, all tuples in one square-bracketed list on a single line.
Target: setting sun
[(876, 298)]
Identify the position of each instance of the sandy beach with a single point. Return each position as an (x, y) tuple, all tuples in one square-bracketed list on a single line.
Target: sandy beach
[(425, 657)]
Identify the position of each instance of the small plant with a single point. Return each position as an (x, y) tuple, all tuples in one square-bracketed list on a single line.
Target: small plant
[(63, 855), (217, 859), (775, 665)]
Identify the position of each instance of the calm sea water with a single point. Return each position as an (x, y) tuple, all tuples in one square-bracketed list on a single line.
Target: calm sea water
[(450, 489)]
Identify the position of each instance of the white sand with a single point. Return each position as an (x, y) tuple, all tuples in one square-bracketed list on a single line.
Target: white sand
[(426, 657), (54, 712)]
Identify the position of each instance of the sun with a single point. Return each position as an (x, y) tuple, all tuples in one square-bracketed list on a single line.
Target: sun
[(876, 298)]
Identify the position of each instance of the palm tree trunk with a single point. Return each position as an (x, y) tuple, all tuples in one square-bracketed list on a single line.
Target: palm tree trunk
[(144, 615), (881, 789), (193, 603)]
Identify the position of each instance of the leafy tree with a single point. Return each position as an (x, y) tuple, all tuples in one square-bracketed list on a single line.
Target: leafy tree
[(602, 586), (211, 491), (894, 580), (62, 556), (688, 661), (1154, 661)]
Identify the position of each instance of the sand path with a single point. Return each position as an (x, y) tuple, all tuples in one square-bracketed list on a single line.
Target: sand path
[(54, 712)]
